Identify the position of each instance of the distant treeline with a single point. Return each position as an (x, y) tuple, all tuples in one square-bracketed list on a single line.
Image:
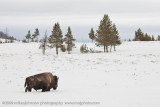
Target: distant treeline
[(106, 35), (5, 36), (141, 36)]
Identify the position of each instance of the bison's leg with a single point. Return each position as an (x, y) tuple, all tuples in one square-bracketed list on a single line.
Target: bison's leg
[(47, 89), (43, 90), (26, 89), (30, 89)]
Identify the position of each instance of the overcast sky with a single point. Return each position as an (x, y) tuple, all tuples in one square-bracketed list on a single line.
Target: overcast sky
[(19, 16)]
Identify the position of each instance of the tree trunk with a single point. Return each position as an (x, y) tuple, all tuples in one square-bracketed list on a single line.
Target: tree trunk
[(107, 48), (43, 51), (114, 48), (111, 48), (44, 48), (37, 39), (68, 49), (56, 50), (104, 48)]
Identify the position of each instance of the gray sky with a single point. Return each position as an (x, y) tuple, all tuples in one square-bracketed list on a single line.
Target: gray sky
[(19, 16)]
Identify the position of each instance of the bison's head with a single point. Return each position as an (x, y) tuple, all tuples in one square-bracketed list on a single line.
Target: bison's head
[(55, 82)]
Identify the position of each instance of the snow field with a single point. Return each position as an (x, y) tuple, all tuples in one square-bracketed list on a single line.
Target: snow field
[(128, 77)]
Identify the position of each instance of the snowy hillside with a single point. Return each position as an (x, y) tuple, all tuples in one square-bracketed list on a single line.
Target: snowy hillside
[(128, 77), (7, 40)]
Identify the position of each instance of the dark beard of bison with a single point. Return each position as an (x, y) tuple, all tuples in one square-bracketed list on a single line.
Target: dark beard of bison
[(55, 82)]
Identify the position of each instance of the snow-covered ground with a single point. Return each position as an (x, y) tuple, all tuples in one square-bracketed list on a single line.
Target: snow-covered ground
[(128, 77)]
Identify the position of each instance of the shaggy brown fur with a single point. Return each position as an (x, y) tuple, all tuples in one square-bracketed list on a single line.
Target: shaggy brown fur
[(44, 81)]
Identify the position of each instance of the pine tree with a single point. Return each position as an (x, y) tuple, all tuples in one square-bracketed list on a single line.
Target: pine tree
[(69, 40), (147, 37), (103, 35), (55, 38), (115, 39), (153, 38), (158, 37), (139, 36), (28, 36), (91, 34), (35, 35)]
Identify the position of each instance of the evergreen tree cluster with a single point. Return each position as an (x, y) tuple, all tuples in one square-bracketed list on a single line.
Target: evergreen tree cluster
[(33, 36), (140, 36), (106, 35), (56, 39)]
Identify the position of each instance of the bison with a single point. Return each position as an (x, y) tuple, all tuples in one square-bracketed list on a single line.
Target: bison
[(44, 81)]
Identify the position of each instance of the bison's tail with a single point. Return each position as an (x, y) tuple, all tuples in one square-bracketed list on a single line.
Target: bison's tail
[(25, 83)]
